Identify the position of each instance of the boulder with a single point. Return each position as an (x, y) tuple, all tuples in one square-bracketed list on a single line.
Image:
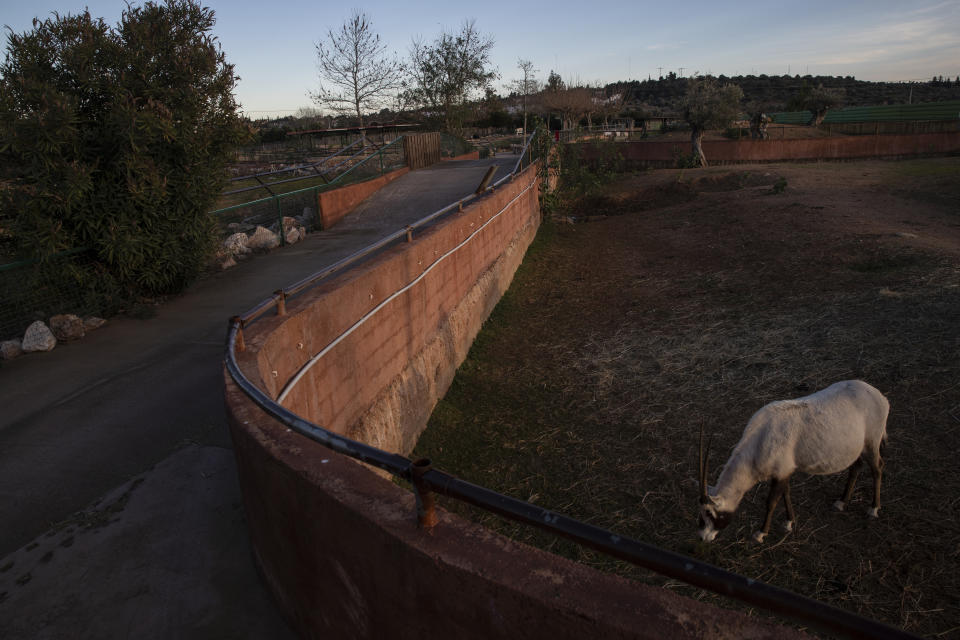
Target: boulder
[(307, 218), (293, 235), (228, 263), (67, 327), (288, 223), (92, 323), (10, 349), (263, 238), (237, 243), (38, 338)]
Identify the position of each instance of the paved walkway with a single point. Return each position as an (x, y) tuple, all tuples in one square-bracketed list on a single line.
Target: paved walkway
[(119, 502)]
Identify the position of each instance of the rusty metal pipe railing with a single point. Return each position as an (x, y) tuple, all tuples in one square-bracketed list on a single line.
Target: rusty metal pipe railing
[(310, 165), (427, 480)]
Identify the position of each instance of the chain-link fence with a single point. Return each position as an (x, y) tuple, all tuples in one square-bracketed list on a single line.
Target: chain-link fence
[(453, 146), (68, 282), (301, 203)]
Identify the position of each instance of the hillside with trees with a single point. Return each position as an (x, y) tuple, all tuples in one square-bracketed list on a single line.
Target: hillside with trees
[(782, 92)]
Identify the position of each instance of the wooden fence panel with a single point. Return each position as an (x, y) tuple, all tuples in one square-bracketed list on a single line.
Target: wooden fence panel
[(421, 149)]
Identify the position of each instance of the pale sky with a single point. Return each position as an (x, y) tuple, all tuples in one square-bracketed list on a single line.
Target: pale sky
[(272, 44)]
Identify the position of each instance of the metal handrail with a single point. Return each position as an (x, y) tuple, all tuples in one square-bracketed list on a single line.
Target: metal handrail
[(425, 479), (302, 166), (321, 174), (332, 183)]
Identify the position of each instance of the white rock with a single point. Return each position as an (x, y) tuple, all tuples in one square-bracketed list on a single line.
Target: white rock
[(10, 349), (93, 323), (263, 238), (66, 327), (38, 338), (237, 243), (228, 263), (293, 235)]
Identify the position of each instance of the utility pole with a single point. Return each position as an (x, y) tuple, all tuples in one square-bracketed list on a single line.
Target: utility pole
[(660, 72), (681, 72)]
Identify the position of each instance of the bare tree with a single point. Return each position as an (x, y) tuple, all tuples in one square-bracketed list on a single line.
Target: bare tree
[(609, 104), (356, 74), (525, 86), (572, 103), (446, 73), (709, 105)]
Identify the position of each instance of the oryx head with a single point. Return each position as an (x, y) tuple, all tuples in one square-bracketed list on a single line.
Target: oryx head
[(711, 520)]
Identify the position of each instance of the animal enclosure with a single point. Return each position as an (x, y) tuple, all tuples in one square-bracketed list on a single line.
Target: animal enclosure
[(697, 297)]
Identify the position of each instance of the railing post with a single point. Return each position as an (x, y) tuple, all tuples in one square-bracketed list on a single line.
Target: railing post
[(240, 344), (281, 302), (409, 234), (426, 511)]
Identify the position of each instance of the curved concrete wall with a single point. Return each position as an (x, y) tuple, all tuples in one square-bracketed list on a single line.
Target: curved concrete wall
[(337, 543)]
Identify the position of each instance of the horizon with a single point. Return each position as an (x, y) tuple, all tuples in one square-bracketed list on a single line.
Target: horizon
[(882, 41)]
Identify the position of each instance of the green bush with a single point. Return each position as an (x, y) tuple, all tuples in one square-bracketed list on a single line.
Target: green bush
[(117, 139)]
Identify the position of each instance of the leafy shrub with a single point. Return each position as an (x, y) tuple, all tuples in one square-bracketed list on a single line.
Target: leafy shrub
[(117, 139)]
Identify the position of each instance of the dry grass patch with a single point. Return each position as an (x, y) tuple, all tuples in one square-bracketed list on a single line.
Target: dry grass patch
[(585, 391)]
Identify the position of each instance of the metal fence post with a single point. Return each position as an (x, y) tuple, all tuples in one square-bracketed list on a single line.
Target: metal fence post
[(426, 511), (283, 239)]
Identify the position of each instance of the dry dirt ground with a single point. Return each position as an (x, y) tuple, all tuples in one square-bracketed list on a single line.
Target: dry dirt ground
[(695, 297)]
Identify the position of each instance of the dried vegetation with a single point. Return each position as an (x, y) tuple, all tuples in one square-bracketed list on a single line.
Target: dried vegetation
[(708, 294)]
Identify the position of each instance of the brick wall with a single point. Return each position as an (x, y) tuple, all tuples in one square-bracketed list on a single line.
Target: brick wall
[(336, 203), (659, 154)]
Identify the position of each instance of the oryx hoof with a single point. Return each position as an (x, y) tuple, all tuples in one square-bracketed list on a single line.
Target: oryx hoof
[(873, 512), (758, 536), (839, 505), (788, 526)]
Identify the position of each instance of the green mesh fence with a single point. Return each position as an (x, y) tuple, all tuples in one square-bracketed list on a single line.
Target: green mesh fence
[(68, 282), (453, 146), (300, 201)]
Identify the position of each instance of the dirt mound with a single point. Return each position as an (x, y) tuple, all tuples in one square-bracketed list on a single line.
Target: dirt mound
[(668, 193), (735, 180), (661, 195)]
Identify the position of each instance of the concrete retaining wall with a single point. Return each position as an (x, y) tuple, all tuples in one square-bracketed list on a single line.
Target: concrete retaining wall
[(336, 543), (659, 154), (336, 203), (473, 155)]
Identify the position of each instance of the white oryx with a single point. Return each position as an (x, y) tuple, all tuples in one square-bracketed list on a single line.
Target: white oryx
[(826, 432)]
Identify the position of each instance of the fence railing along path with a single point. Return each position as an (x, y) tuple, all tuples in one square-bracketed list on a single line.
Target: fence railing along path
[(426, 480), (368, 161)]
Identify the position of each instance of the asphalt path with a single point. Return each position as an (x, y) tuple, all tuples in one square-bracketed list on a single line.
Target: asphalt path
[(119, 503)]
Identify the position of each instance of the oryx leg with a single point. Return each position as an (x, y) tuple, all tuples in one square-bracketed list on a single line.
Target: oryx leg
[(876, 466), (788, 503), (852, 473), (777, 487)]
